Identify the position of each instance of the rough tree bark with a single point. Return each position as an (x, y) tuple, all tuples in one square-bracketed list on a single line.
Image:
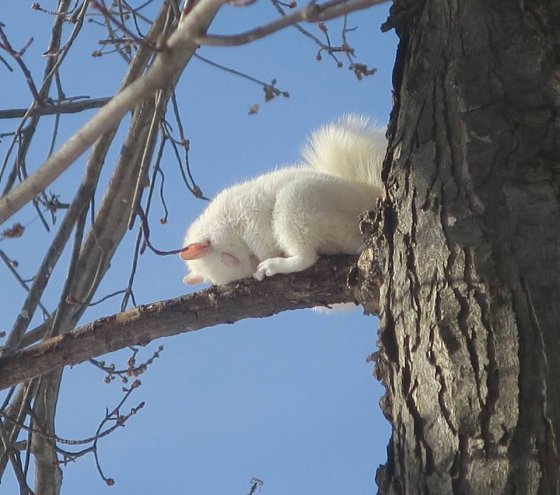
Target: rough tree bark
[(469, 243)]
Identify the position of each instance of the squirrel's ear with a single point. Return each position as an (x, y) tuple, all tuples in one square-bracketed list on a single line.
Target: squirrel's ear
[(193, 279), (195, 251)]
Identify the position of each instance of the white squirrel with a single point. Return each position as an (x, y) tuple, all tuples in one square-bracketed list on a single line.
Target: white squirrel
[(282, 221)]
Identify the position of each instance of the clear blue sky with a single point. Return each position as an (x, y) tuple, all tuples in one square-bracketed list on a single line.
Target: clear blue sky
[(288, 399)]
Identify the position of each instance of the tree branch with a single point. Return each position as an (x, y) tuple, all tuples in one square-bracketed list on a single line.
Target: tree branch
[(312, 12), (174, 54), (56, 108), (323, 284)]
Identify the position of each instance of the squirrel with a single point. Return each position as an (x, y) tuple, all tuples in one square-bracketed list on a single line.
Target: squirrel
[(282, 221)]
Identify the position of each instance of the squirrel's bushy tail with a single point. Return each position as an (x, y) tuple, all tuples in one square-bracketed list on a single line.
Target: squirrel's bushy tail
[(350, 148)]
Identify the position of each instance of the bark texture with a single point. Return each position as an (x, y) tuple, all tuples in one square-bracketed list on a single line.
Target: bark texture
[(469, 244)]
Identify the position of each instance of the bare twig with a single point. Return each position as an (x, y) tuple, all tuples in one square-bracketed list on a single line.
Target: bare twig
[(119, 420), (185, 144), (17, 56), (279, 6), (10, 264), (133, 370), (6, 64), (98, 435), (268, 88), (185, 171), (256, 484), (138, 245), (146, 233), (160, 104), (110, 18)]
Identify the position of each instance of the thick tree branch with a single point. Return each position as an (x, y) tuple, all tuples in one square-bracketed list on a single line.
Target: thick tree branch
[(323, 284)]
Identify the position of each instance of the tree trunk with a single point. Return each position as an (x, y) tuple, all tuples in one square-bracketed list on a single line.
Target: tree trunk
[(469, 240)]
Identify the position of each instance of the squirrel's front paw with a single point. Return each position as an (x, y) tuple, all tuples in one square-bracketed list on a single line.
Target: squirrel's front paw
[(268, 267)]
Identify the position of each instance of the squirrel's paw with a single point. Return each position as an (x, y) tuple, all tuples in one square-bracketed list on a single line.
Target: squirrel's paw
[(291, 264), (269, 267)]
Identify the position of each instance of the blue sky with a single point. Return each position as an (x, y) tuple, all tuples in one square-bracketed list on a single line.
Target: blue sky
[(288, 399)]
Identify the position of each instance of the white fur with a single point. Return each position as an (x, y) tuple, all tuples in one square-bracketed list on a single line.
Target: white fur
[(282, 221)]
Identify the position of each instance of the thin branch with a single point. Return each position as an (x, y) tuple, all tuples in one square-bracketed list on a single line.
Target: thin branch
[(5, 62), (119, 420), (323, 284), (185, 143), (10, 265), (54, 108), (160, 103), (110, 19), (146, 232), (131, 371), (268, 88), (313, 12), (17, 56), (139, 246), (112, 36), (279, 7), (158, 171), (98, 434), (194, 189)]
